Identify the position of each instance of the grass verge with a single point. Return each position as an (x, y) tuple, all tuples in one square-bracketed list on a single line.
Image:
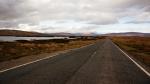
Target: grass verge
[(21, 48), (138, 47)]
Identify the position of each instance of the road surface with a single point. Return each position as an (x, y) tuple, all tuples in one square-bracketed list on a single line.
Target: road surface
[(100, 63)]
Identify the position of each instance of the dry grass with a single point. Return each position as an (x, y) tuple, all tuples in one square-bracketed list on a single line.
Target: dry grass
[(139, 47), (14, 50)]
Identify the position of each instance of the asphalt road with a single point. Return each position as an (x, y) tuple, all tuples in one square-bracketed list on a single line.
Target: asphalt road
[(100, 63)]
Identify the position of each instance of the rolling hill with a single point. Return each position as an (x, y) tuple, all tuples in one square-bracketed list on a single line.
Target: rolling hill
[(128, 34), (20, 33)]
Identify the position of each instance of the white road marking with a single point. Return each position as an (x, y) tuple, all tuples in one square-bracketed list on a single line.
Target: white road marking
[(138, 65), (93, 54), (39, 60), (26, 64)]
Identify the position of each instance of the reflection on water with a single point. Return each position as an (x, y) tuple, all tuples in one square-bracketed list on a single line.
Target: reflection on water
[(13, 38)]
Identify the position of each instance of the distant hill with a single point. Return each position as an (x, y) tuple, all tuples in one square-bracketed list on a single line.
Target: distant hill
[(128, 34), (72, 34), (60, 34), (37, 34), (20, 33)]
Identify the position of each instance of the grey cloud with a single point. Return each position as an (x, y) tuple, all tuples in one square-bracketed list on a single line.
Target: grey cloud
[(139, 22), (8, 24), (99, 12), (9, 9), (13, 13)]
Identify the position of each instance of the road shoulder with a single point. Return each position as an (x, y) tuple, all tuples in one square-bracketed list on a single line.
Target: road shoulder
[(138, 63), (15, 63)]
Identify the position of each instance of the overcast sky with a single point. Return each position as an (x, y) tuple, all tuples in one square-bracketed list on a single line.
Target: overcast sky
[(76, 16)]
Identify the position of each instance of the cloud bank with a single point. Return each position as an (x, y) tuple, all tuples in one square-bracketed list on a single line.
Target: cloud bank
[(77, 15)]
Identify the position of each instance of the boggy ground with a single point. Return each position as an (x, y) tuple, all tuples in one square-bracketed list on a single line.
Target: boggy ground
[(22, 48), (138, 47)]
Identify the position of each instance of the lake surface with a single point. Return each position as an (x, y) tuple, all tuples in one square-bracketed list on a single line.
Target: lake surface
[(13, 38)]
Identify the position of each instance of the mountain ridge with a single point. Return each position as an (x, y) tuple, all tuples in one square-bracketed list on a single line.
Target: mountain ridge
[(20, 33), (128, 34)]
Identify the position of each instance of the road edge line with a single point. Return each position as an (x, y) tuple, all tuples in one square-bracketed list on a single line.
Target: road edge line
[(138, 65), (26, 64), (21, 65)]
